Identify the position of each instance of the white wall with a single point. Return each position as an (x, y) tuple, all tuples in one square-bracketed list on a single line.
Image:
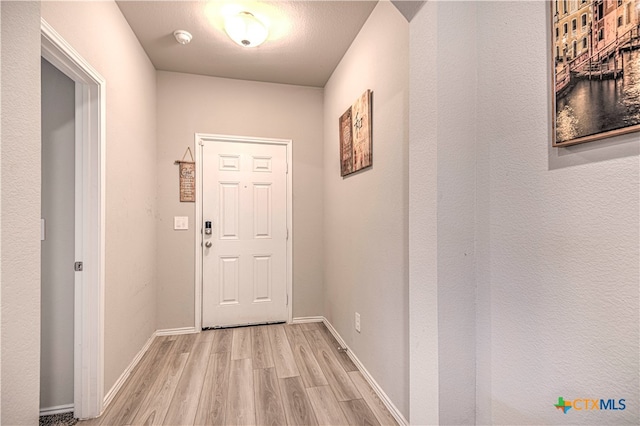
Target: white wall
[(20, 158), (1, 219), (556, 230), (99, 32), (57, 250), (443, 214), (189, 104), (456, 139), (563, 238), (423, 217), (365, 223)]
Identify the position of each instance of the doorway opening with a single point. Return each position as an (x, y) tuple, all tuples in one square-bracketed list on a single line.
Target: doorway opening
[(89, 225), (57, 240)]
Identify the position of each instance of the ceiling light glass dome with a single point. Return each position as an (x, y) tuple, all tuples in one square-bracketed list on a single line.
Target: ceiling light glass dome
[(245, 29)]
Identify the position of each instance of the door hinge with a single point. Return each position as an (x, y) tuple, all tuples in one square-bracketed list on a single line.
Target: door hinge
[(287, 168), (287, 299), (77, 266), (287, 234)]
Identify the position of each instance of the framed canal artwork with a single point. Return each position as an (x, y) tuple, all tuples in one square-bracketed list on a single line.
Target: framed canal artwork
[(355, 136), (596, 69)]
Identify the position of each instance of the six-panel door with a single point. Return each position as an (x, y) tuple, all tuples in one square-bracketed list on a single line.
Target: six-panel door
[(244, 258)]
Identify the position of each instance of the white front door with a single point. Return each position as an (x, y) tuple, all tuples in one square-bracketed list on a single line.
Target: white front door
[(244, 258)]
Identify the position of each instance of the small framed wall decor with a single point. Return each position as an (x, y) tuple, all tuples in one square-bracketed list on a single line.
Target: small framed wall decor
[(595, 69), (187, 173), (355, 136)]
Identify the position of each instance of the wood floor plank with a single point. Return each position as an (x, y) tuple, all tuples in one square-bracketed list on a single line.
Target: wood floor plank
[(90, 422), (126, 404), (325, 406), (310, 326), (281, 350), (206, 335), (185, 342), (184, 404), (241, 343), (296, 402), (337, 377), (156, 352), (154, 407), (372, 399), (261, 348), (310, 371), (213, 398), (191, 379), (341, 356), (222, 340), (358, 413), (269, 407), (240, 400)]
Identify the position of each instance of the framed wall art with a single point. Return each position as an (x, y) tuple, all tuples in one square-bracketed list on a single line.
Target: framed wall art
[(595, 58), (355, 136), (187, 176)]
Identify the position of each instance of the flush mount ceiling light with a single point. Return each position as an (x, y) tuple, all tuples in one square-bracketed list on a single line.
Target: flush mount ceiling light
[(245, 29), (182, 36)]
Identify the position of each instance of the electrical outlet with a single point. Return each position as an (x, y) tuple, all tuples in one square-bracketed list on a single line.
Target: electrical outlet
[(358, 322)]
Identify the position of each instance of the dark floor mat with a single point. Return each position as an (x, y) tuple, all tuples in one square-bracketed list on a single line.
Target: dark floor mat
[(63, 419)]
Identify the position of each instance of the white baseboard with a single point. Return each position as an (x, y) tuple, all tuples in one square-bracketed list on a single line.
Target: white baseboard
[(176, 331), (303, 320), (367, 376), (58, 409), (125, 374)]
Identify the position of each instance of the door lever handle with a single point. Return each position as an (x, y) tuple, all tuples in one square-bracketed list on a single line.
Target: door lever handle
[(208, 244)]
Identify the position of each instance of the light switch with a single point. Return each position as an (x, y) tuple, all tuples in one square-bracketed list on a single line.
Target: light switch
[(180, 222)]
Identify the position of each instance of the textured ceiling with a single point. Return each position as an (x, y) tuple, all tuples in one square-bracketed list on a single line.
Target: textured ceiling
[(306, 40)]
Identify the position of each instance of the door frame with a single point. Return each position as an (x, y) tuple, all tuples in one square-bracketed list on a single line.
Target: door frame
[(200, 140), (90, 95)]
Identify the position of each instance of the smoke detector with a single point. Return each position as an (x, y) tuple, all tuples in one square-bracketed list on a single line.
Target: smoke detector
[(182, 36)]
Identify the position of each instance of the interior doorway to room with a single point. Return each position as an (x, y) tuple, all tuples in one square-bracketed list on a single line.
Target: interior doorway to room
[(73, 198), (244, 204), (58, 240)]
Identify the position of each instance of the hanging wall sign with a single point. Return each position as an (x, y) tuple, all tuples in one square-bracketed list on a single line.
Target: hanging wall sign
[(187, 178)]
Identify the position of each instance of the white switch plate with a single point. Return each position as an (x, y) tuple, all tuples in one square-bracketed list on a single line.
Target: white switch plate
[(180, 222), (357, 322)]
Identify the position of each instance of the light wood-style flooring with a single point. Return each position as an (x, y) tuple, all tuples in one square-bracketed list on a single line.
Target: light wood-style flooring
[(283, 374)]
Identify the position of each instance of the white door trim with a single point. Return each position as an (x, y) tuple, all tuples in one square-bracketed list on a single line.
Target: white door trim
[(200, 139), (89, 218)]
